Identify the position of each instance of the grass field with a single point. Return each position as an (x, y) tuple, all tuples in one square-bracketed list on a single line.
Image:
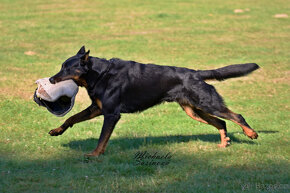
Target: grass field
[(37, 36)]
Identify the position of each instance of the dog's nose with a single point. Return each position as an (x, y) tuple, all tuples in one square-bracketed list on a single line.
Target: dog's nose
[(51, 80)]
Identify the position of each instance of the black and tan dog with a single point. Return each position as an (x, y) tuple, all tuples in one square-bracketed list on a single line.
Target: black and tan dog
[(116, 86)]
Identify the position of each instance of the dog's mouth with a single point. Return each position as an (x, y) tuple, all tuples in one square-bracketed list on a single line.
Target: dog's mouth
[(54, 80), (76, 79)]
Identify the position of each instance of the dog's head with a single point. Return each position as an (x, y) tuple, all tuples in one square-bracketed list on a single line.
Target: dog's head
[(73, 68)]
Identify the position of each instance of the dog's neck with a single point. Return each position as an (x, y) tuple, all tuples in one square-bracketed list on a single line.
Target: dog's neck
[(97, 70)]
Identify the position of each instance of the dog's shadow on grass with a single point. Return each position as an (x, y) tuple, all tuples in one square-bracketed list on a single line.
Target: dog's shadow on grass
[(129, 143), (261, 131)]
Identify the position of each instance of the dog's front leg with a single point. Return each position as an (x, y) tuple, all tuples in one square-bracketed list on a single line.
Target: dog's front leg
[(89, 113), (109, 124)]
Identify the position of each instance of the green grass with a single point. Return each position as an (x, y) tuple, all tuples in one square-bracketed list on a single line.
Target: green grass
[(194, 34)]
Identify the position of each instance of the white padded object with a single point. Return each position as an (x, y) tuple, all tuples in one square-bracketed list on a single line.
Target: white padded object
[(51, 92), (48, 95)]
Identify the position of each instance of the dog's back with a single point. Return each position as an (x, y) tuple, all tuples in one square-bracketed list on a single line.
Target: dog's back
[(145, 85)]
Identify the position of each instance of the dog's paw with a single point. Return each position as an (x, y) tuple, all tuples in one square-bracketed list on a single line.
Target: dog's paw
[(225, 143), (56, 132), (88, 155), (94, 154), (252, 134)]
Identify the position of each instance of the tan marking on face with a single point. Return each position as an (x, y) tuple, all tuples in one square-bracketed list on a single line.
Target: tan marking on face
[(80, 81), (99, 103)]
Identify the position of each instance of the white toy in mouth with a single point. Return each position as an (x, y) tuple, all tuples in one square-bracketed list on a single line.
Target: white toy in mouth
[(57, 98)]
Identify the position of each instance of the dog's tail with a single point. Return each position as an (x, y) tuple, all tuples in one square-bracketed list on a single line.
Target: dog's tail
[(231, 71)]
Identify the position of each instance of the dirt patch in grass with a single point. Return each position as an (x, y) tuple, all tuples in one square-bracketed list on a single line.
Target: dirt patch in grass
[(30, 53), (18, 84), (19, 93), (281, 15)]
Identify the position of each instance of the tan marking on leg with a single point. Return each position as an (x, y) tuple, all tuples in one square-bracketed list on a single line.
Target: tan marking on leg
[(96, 113), (57, 131), (219, 124), (192, 114), (248, 131), (208, 119), (99, 103), (225, 140)]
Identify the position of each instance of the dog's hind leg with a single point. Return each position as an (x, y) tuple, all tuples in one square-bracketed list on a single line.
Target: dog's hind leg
[(191, 113), (238, 119), (219, 124), (211, 103), (202, 117)]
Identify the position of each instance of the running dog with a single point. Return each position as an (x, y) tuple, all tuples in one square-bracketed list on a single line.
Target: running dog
[(116, 86)]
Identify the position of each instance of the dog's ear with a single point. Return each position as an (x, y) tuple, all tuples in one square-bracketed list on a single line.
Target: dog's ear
[(85, 57), (100, 65), (82, 51)]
